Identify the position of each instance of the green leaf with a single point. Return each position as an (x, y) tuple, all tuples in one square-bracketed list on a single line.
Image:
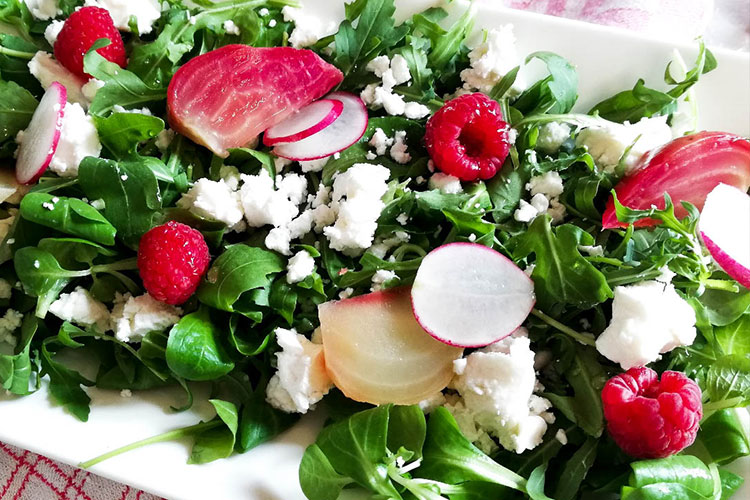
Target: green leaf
[(68, 215), (375, 31), (283, 299), (734, 337), (16, 369), (554, 94), (415, 53), (194, 351), (723, 307), (724, 436), (447, 44), (216, 443), (130, 193), (239, 269), (318, 478), (260, 422), (65, 385), (506, 190), (729, 377), (730, 483), (562, 275), (407, 429), (676, 475), (17, 105), (575, 470), (121, 133), (535, 485)]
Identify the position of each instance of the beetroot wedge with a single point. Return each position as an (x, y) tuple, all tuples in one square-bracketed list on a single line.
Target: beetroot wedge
[(688, 168), (225, 98)]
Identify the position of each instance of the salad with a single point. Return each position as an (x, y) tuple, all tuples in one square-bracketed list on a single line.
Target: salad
[(489, 295)]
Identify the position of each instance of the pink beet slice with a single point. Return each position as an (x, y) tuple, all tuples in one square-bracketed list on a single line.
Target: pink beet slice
[(41, 137), (225, 98)]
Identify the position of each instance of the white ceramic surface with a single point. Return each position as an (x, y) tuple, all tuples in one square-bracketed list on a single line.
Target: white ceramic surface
[(608, 60)]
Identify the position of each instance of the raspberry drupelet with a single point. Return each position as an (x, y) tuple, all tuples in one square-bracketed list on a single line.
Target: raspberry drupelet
[(172, 259), (649, 418), (468, 138)]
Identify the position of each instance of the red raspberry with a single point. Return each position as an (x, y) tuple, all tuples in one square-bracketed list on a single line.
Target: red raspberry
[(84, 27), (467, 137), (652, 419), (172, 259)]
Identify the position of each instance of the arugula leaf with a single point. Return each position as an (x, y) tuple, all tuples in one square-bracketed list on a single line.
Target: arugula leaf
[(723, 436), (216, 443), (130, 193), (562, 275), (414, 51), (724, 307), (17, 105), (557, 93), (318, 478), (65, 385), (16, 369), (68, 215), (194, 351), (121, 133), (239, 269), (729, 378), (446, 45), (575, 470), (506, 190), (733, 338), (260, 422), (15, 16), (15, 68), (375, 30)]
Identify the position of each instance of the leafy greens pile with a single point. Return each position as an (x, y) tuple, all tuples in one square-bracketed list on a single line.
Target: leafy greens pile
[(226, 334)]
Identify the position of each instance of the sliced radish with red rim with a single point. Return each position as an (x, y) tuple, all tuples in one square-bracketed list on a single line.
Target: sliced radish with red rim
[(41, 137), (311, 119), (347, 129), (468, 295), (725, 228)]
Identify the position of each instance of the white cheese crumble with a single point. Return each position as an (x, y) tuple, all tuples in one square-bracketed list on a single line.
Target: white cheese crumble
[(52, 31), (491, 60), (314, 165), (447, 184), (648, 319), (356, 200), (308, 29), (496, 385), (299, 267), (549, 184), (551, 136), (9, 323), (43, 9), (398, 150), (81, 308), (146, 13), (47, 70), (561, 437), (545, 190), (231, 28), (301, 379), (380, 277), (593, 251), (213, 200), (126, 393), (263, 204), (608, 142), (392, 72), (381, 142), (133, 317)]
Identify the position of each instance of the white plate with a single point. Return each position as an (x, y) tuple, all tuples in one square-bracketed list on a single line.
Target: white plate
[(608, 60)]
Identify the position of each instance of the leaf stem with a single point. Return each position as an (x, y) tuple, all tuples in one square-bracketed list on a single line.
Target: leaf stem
[(16, 53), (167, 436), (580, 337), (121, 265)]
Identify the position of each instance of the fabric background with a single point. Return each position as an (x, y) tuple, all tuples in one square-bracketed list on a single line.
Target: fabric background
[(724, 23)]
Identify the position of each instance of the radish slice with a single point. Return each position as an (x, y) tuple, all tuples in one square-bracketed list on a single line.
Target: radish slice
[(347, 129), (468, 295), (725, 228), (41, 137), (311, 119)]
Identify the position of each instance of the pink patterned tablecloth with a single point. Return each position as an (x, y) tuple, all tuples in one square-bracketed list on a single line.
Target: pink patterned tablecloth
[(725, 23)]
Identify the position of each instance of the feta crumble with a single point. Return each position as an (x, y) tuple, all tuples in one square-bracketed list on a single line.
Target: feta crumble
[(301, 379), (263, 204), (381, 142), (213, 200), (299, 267), (398, 150), (447, 184), (380, 277), (551, 137), (47, 70), (549, 184), (146, 13), (491, 60), (314, 165), (80, 308), (496, 386), (648, 319), (43, 9), (133, 317), (231, 28), (52, 31), (392, 72), (308, 29)]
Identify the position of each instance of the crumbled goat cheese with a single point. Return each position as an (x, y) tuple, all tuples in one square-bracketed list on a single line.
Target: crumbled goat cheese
[(593, 251), (126, 393), (301, 379), (9, 322), (213, 200), (382, 246), (146, 12), (47, 70), (308, 29), (78, 139), (380, 277), (381, 142), (491, 60), (89, 90), (540, 203), (392, 72), (81, 308), (138, 111), (648, 319), (263, 204), (52, 30), (231, 28), (561, 436), (398, 150), (402, 219), (314, 165), (43, 9), (447, 184), (5, 289), (496, 386), (551, 137), (279, 164), (556, 211), (164, 139), (263, 12), (379, 65), (415, 111), (133, 317), (231, 176), (549, 184), (607, 143), (300, 266), (346, 293), (356, 200)]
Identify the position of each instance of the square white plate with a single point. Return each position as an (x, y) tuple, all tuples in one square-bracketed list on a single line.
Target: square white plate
[(608, 60)]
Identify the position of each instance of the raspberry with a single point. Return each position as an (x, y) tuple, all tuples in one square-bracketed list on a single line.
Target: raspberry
[(172, 258), (652, 419), (467, 137), (84, 27)]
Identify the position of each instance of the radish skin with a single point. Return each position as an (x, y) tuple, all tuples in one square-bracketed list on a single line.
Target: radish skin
[(302, 124)]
